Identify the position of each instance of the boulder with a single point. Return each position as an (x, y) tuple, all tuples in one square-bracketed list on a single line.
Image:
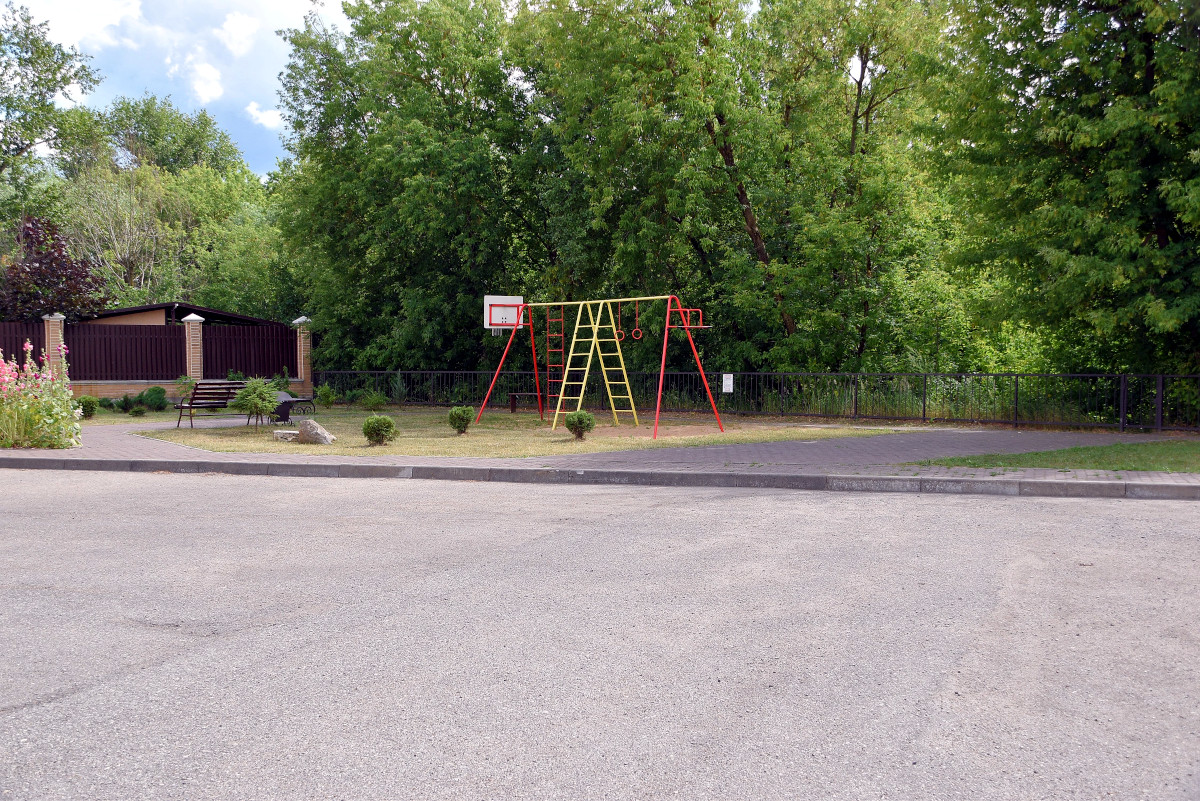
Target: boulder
[(311, 433), (286, 436)]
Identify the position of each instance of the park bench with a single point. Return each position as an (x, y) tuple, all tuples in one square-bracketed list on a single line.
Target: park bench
[(208, 395)]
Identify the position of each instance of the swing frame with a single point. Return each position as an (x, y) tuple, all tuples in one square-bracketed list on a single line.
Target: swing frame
[(675, 308)]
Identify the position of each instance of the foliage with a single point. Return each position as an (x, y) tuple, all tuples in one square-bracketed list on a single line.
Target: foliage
[(372, 400), (106, 403), (579, 422), (123, 404), (461, 417), (33, 72), (153, 398), (257, 399), (1074, 129), (138, 411), (44, 278), (87, 406), (280, 382), (379, 429), (184, 386), (37, 409), (325, 395)]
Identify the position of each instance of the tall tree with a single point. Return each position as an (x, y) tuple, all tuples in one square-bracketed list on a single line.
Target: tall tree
[(1077, 128), (44, 278), (33, 72)]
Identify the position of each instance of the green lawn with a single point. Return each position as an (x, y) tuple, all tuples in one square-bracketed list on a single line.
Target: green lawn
[(425, 432), (1174, 456)]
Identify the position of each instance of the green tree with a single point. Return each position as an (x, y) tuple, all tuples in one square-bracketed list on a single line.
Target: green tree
[(1074, 129), (33, 72)]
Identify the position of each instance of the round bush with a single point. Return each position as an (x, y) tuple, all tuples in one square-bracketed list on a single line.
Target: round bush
[(379, 429), (461, 418), (88, 406), (153, 398), (138, 411), (580, 422), (106, 403), (372, 400)]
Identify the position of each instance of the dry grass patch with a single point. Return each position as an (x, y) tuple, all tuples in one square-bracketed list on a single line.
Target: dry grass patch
[(500, 434)]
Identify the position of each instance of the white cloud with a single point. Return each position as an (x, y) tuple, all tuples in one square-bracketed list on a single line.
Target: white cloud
[(86, 23), (266, 117), (237, 33), (206, 80)]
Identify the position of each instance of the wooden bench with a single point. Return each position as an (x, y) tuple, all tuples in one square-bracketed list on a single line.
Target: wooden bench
[(208, 395)]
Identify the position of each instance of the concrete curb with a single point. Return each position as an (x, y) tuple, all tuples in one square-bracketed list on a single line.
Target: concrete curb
[(1014, 487)]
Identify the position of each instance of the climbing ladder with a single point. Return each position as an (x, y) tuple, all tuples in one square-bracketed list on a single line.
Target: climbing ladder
[(556, 331), (595, 337)]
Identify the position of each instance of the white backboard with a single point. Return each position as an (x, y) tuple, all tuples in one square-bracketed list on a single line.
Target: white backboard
[(500, 311)]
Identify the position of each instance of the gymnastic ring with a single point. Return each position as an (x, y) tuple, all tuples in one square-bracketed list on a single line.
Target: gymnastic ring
[(637, 333), (620, 335)]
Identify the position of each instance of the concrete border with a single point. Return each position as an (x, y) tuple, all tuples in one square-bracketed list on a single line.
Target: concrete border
[(1012, 487)]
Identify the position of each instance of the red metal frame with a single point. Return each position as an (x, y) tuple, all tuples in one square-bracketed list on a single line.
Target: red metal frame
[(685, 324), (674, 305), (524, 319)]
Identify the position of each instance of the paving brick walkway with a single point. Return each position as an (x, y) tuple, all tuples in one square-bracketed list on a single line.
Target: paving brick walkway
[(880, 455)]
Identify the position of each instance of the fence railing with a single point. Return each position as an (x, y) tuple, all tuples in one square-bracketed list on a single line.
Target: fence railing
[(125, 352), (13, 336), (1161, 402)]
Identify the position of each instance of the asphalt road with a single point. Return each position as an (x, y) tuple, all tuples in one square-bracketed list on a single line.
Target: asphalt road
[(203, 636)]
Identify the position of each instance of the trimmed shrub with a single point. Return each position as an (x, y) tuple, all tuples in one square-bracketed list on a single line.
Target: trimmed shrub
[(257, 399), (88, 406), (138, 411), (580, 422), (353, 395), (106, 403), (325, 396), (379, 429), (153, 398), (461, 418), (123, 404), (280, 382), (372, 400)]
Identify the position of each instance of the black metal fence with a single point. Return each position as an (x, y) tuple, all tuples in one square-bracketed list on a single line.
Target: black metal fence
[(1161, 402)]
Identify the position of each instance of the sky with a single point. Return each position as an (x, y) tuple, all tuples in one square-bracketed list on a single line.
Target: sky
[(219, 55)]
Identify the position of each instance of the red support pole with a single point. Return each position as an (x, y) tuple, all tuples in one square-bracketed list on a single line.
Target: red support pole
[(704, 378), (662, 370), (537, 383), (500, 366)]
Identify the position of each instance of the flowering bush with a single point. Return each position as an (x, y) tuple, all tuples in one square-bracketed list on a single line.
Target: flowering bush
[(36, 406)]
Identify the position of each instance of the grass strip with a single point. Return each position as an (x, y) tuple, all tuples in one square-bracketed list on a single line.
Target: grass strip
[(1172, 456), (499, 435)]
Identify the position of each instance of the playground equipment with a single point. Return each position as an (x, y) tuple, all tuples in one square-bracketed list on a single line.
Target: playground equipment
[(597, 336)]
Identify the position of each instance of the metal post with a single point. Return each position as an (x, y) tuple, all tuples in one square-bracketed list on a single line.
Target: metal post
[(1158, 403), (1016, 400), (924, 395), (856, 396), (1124, 399)]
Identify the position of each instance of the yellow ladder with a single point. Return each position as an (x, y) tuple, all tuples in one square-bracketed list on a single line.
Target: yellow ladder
[(602, 342)]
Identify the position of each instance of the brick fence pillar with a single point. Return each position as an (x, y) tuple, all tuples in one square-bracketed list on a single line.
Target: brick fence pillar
[(195, 346), (53, 327), (303, 351)]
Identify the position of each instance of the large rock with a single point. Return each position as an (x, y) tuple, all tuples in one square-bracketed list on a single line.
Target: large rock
[(311, 433)]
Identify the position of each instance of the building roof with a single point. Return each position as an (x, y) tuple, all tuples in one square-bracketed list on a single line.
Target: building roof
[(177, 311)]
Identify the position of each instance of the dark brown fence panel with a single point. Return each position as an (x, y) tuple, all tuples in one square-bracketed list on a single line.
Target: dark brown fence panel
[(260, 350), (125, 352), (13, 336)]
